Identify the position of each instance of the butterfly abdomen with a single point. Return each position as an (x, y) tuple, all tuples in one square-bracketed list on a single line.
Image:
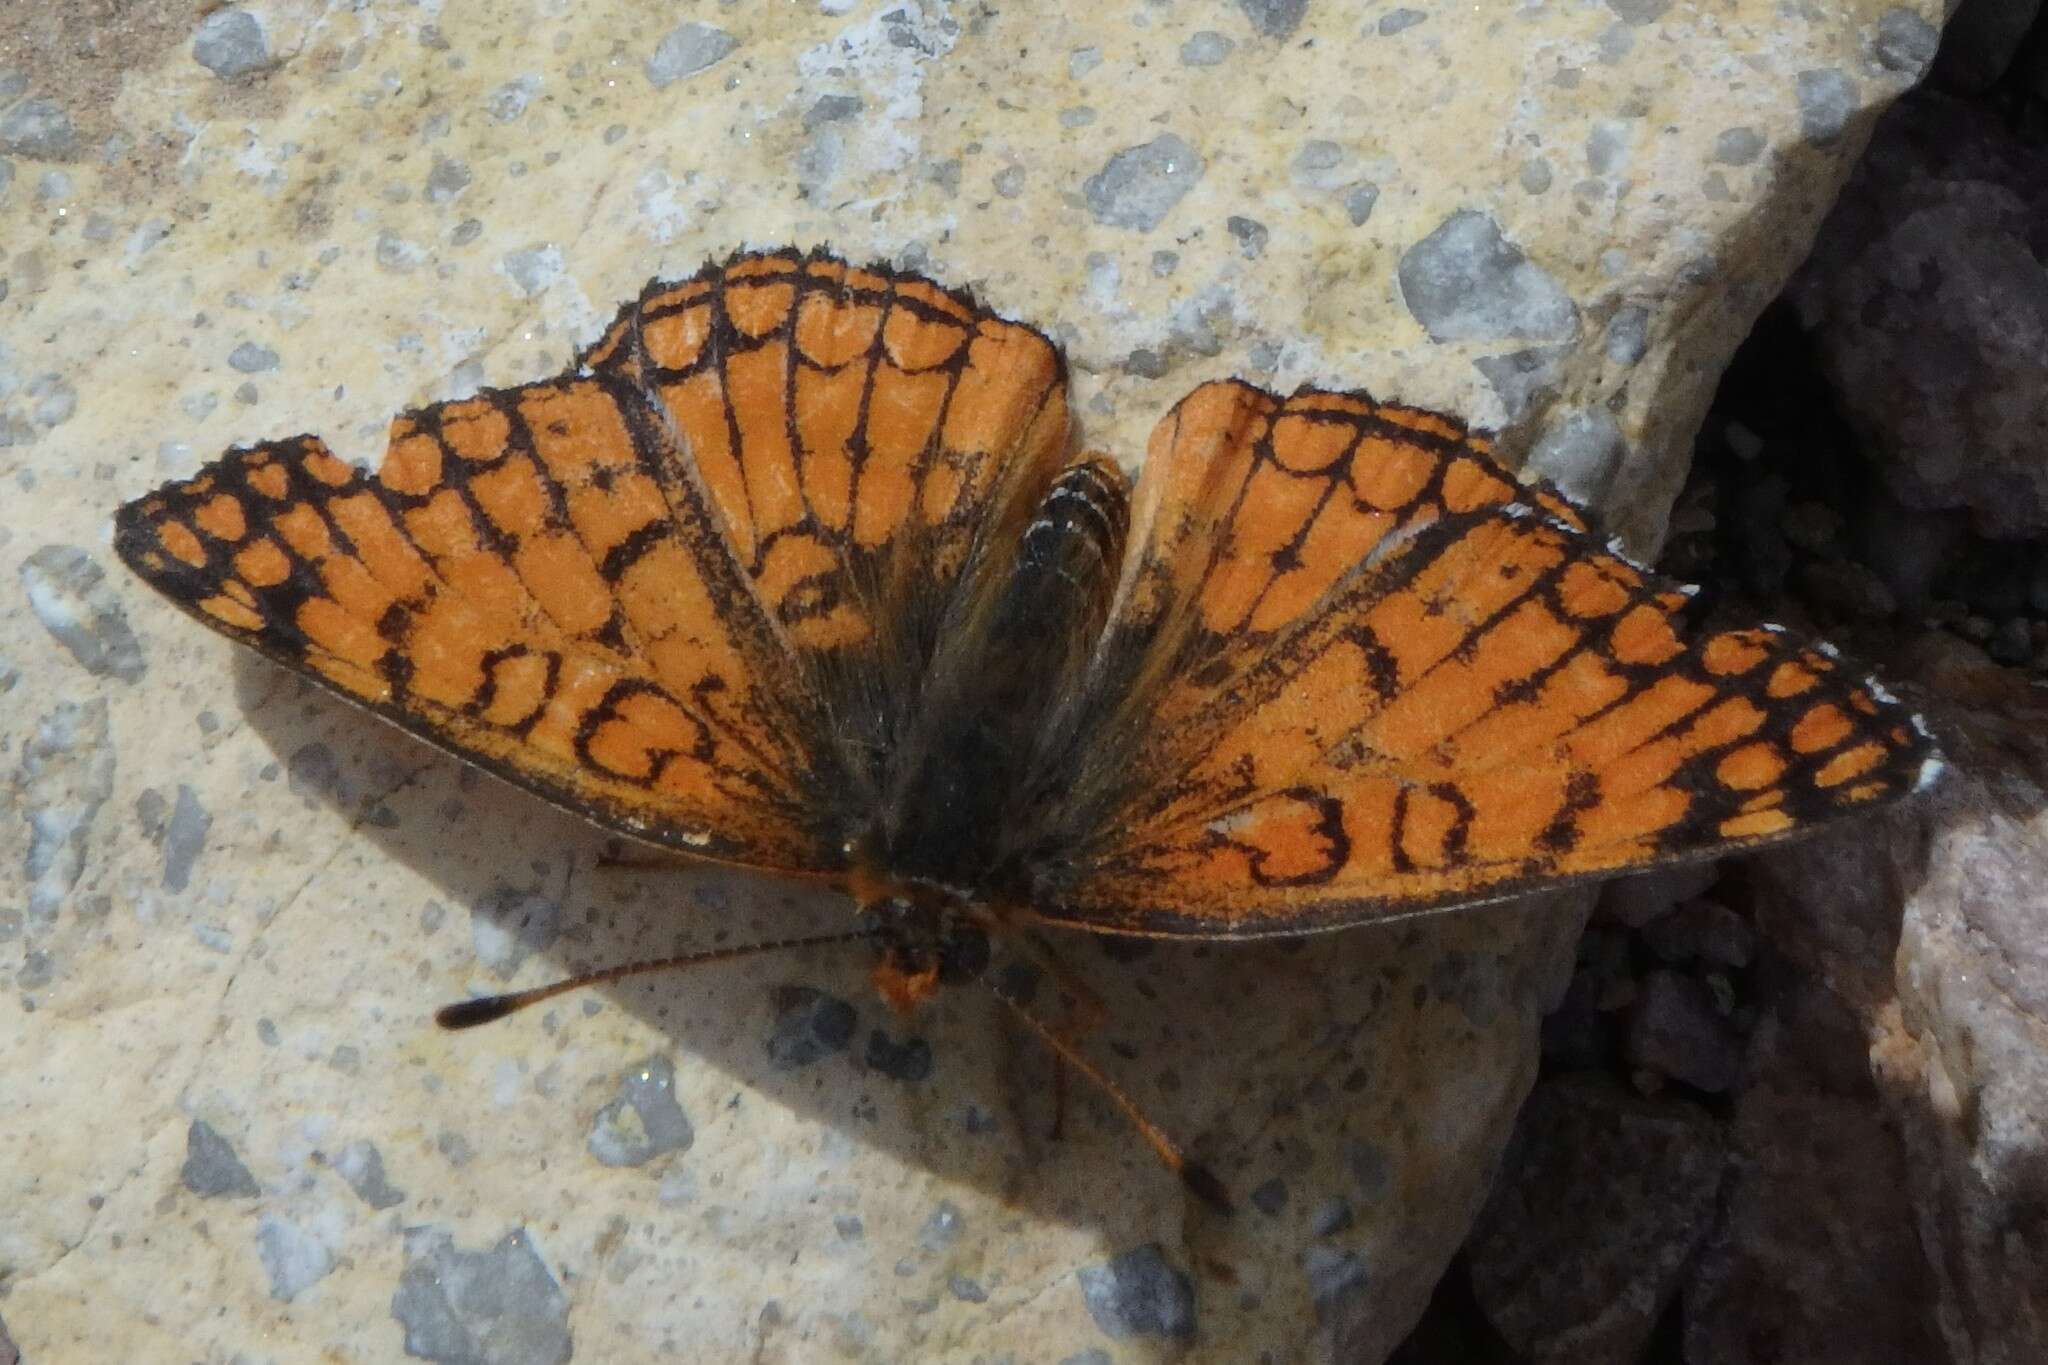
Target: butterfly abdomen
[(1042, 605)]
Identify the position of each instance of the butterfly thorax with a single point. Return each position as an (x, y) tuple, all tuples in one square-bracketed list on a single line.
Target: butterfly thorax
[(1020, 637), (925, 937)]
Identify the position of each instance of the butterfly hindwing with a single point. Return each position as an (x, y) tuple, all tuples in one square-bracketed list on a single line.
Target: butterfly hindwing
[(1484, 699), (858, 429)]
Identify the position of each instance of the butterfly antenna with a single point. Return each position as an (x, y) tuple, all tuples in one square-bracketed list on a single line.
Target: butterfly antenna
[(1193, 1174), (484, 1009)]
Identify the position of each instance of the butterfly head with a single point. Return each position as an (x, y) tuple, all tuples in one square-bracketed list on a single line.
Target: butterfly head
[(926, 937)]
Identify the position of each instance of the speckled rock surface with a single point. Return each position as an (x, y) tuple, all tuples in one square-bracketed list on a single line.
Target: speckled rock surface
[(227, 1125)]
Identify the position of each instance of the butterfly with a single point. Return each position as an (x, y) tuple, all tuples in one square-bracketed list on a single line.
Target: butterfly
[(795, 568)]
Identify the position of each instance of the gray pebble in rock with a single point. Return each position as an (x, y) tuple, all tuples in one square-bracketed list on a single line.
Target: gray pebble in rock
[(1138, 186), (447, 180), (809, 1026), (1535, 175), (832, 109), (1394, 21), (231, 43), (1581, 453), (686, 50), (1270, 1198), (13, 85), (496, 1307), (211, 1169), (250, 358), (1677, 1032), (1519, 378), (1639, 11), (69, 594), (184, 837), (1905, 42), (1274, 18), (66, 775), (293, 1258), (1467, 282), (1628, 334), (362, 1166), (1140, 1293), (1827, 100), (645, 1121), (1359, 201), (509, 100), (38, 129), (532, 269), (1207, 48), (1738, 146), (1334, 1276)]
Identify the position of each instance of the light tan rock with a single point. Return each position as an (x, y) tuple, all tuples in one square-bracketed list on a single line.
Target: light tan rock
[(1561, 216)]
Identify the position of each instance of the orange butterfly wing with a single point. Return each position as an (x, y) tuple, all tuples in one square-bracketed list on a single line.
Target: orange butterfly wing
[(1387, 677), (527, 583), (860, 431)]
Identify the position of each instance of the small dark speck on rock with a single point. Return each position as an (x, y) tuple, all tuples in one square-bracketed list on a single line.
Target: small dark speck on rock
[(831, 109), (496, 1307), (849, 1228), (809, 1025), (966, 1290), (211, 1169), (909, 1060), (1140, 1293), (1333, 1215), (313, 771), (1271, 1197)]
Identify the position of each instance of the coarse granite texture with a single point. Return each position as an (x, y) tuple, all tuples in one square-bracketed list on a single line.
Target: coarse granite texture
[(228, 1127)]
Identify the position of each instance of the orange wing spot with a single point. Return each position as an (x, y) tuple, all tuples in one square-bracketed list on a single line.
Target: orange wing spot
[(1790, 679), (915, 344), (262, 564), (1307, 446), (270, 479), (1469, 485), (1644, 637), (1326, 555), (1388, 474), (676, 341), (1008, 369), (1589, 592), (177, 538), (512, 496), (1750, 767), (518, 686), (328, 470), (637, 731), (222, 518), (1734, 652), (413, 464), (338, 631), (1431, 818), (1822, 727), (302, 529), (228, 611), (698, 406), (757, 310), (763, 264), (827, 418), (903, 416), (756, 383), (1849, 763), (830, 333), (1755, 824), (1292, 837), (476, 430), (381, 545), (1423, 420), (933, 297), (1724, 723), (559, 574)]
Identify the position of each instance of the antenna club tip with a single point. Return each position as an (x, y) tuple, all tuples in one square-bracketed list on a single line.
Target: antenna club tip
[(1204, 1182), (469, 1013)]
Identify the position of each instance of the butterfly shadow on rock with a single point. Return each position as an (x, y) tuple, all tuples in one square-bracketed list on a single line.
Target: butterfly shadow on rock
[(1347, 1087)]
